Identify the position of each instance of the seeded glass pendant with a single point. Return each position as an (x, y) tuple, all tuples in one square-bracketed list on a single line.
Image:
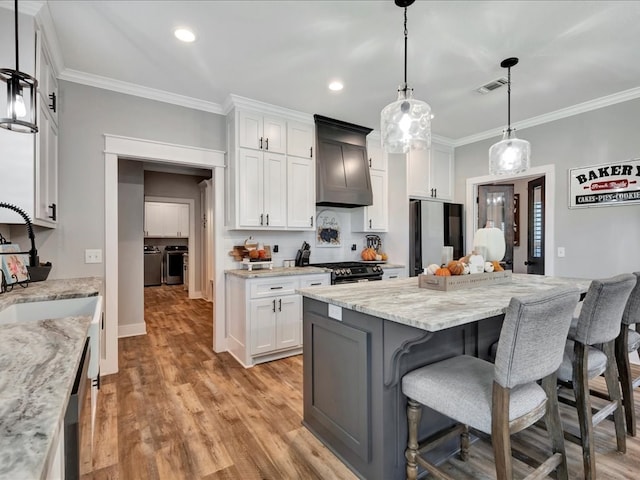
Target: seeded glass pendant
[(406, 123), (510, 155)]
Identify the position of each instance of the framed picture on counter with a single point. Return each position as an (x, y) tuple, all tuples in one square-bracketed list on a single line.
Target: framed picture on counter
[(13, 264)]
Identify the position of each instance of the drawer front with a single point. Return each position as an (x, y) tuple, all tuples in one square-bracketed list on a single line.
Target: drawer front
[(315, 280), (273, 287)]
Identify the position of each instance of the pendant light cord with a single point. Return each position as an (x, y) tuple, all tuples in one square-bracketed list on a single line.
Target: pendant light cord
[(509, 101), (406, 33), (16, 32)]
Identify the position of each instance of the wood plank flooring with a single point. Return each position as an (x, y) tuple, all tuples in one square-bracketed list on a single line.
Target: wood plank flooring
[(176, 410)]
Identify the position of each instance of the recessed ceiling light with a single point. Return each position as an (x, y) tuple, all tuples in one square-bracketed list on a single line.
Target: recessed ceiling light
[(336, 86), (184, 34)]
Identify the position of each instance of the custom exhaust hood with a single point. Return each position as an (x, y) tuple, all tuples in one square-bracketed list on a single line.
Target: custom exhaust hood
[(342, 166)]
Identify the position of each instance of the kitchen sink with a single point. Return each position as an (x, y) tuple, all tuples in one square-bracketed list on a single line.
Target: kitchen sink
[(68, 307)]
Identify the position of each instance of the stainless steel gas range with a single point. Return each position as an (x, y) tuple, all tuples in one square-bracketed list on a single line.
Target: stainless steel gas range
[(352, 272)]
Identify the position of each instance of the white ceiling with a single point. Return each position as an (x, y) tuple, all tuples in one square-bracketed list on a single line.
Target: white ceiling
[(285, 53)]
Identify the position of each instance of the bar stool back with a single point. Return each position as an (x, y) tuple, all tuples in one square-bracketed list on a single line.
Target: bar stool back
[(627, 342), (498, 400)]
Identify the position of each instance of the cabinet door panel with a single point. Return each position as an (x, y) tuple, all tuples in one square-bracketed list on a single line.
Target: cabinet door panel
[(275, 135), (288, 321), (183, 220), (250, 189), (378, 212), (300, 140), (250, 130), (275, 190), (154, 219), (263, 326), (418, 173), (377, 156), (441, 172), (301, 192)]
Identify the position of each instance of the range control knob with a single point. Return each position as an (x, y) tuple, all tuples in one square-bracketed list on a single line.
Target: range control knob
[(348, 271)]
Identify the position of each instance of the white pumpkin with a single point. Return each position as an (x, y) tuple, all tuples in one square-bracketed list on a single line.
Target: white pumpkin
[(490, 243), (488, 267), (467, 269), (431, 269)]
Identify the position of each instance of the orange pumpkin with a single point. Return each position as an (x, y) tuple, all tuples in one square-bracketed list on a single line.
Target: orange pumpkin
[(455, 267), (443, 272), (368, 254), (497, 267)]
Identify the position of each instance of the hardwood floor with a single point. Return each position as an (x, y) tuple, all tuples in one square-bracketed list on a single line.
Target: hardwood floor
[(176, 410)]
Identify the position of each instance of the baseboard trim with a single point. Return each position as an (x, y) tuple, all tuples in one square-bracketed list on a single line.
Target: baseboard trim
[(132, 330)]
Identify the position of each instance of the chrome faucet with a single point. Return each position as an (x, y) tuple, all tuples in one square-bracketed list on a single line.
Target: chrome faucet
[(33, 253)]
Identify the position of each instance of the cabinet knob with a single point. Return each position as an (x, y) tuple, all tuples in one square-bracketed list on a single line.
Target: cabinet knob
[(54, 212), (53, 104)]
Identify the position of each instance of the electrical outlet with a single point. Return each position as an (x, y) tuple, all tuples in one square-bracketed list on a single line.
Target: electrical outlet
[(93, 256), (275, 249), (560, 251), (354, 247)]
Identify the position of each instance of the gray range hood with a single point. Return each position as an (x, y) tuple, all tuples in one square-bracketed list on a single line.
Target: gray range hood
[(342, 166)]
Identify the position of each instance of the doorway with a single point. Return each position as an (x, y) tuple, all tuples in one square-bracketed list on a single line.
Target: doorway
[(472, 214), (118, 147), (495, 208), (535, 226)]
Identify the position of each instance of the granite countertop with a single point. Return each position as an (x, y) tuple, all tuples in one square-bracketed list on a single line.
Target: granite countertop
[(38, 363), (276, 272), (402, 301)]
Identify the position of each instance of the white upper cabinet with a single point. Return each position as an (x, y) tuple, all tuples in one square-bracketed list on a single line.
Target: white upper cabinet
[(375, 217), (430, 172), (377, 156), (262, 133), (271, 171), (300, 139), (163, 219)]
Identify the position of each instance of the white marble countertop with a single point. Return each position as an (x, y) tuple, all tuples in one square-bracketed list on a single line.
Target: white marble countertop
[(276, 272), (38, 363), (402, 301)]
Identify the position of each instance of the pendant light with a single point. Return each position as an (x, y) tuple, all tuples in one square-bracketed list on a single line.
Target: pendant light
[(406, 123), (510, 155), (21, 116)]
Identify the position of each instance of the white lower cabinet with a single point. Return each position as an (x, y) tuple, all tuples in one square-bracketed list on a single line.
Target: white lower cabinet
[(264, 316), (393, 273)]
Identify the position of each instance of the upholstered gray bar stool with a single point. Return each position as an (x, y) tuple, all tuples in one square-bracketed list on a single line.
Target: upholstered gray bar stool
[(502, 399), (627, 342), (598, 324)]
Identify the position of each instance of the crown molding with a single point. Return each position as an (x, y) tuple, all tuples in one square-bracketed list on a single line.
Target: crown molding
[(583, 107), (236, 101), (139, 91)]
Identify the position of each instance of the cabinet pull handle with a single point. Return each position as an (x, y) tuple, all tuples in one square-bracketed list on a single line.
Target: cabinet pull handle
[(262, 219), (393, 276), (280, 304), (435, 192), (267, 219), (310, 152), (53, 104), (274, 304), (54, 212), (369, 162), (311, 220), (260, 143), (267, 142), (315, 284), (276, 288), (370, 223)]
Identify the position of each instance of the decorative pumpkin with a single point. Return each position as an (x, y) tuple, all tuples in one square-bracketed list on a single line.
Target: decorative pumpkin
[(467, 269), (465, 259), (455, 267), (431, 269), (488, 267), (490, 243), (368, 254), (443, 272), (497, 267)]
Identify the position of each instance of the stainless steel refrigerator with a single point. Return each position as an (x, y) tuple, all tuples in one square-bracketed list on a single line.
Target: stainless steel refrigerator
[(433, 225)]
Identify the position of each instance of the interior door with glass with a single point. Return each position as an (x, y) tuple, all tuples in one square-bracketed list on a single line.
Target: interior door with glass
[(535, 240), (495, 205)]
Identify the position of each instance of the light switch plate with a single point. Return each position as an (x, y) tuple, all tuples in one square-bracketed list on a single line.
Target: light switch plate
[(93, 255), (560, 251)]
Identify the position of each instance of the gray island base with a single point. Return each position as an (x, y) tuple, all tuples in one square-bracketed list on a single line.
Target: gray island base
[(360, 339)]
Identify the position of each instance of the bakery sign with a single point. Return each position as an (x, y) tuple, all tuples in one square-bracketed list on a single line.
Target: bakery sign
[(605, 185)]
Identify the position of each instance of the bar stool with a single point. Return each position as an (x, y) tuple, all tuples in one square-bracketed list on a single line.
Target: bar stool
[(502, 399), (598, 324), (627, 342)]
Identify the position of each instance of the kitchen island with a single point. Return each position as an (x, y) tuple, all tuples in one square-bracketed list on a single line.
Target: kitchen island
[(360, 339), (38, 364)]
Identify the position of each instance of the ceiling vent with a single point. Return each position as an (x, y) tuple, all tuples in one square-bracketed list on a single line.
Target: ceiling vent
[(492, 85)]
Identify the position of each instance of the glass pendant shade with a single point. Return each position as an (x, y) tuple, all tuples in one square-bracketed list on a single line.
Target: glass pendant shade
[(20, 109), (406, 124), (509, 156)]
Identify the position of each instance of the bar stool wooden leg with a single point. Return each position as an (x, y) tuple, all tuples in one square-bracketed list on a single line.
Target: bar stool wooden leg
[(554, 424), (626, 381), (583, 405), (414, 413), (500, 434), (464, 444), (613, 386)]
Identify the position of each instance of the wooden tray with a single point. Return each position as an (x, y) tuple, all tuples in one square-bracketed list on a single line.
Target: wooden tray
[(459, 282)]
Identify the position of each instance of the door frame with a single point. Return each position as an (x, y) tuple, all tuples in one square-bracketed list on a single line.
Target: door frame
[(116, 147), (547, 171)]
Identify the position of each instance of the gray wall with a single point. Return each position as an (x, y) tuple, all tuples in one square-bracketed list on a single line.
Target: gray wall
[(86, 114), (130, 243), (599, 241)]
